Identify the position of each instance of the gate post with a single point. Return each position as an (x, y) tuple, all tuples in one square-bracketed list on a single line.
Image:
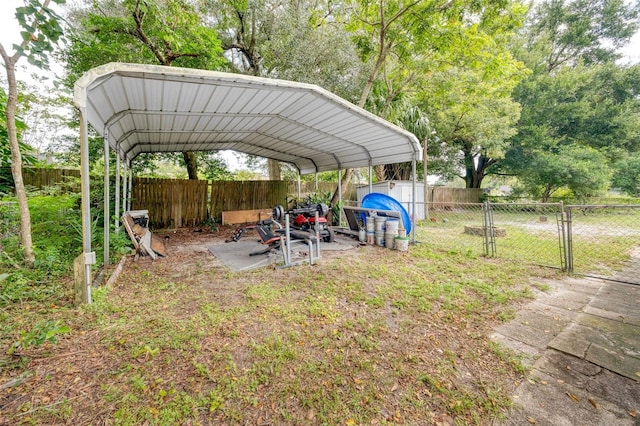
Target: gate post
[(569, 247)]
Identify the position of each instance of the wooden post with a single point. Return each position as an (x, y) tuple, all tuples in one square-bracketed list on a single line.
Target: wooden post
[(80, 280)]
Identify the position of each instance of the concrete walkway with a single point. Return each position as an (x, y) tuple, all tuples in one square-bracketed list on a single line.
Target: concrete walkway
[(581, 339)]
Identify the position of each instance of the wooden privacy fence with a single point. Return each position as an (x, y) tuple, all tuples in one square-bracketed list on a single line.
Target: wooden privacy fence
[(246, 195), (444, 195), (40, 177), (307, 188), (172, 203), (175, 203)]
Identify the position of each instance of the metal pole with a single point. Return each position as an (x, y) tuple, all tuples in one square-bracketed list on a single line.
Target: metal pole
[(370, 178), (413, 201), (570, 240), (130, 187), (124, 189), (299, 186), (116, 222), (339, 197), (426, 185), (316, 181), (287, 231), (89, 256), (105, 221)]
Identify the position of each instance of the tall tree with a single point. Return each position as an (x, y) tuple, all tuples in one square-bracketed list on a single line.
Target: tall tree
[(40, 32), (577, 96), (165, 32), (243, 27)]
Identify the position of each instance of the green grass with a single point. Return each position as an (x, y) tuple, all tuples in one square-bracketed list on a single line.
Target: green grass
[(370, 336)]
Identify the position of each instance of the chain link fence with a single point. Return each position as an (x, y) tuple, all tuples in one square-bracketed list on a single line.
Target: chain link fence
[(598, 240), (604, 241), (526, 232)]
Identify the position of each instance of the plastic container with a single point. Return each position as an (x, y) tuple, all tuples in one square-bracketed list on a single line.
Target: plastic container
[(402, 243), (392, 225), (379, 222), (389, 240)]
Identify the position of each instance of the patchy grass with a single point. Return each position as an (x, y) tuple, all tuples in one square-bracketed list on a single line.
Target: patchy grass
[(369, 336)]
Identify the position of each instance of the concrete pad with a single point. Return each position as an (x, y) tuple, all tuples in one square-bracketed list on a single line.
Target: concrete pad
[(614, 360), (571, 342), (235, 255), (536, 329), (543, 400), (589, 374), (627, 315), (528, 354)]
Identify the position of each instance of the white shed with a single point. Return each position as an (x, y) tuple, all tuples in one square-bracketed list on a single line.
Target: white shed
[(401, 191)]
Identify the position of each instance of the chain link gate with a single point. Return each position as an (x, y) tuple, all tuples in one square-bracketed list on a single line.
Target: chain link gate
[(603, 241), (527, 232)]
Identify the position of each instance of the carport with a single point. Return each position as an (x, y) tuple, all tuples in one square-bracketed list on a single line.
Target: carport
[(147, 108)]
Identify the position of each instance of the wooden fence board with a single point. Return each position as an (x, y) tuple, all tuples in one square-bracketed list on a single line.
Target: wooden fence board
[(246, 195), (172, 203), (39, 177), (245, 216)]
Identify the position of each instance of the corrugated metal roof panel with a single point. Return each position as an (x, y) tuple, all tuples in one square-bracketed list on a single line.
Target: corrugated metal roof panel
[(147, 108)]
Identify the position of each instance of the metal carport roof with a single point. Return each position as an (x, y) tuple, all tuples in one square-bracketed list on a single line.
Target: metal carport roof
[(147, 108), (150, 108)]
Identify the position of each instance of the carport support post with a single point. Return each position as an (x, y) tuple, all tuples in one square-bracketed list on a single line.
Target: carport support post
[(124, 188), (370, 178), (117, 197), (89, 256), (106, 198), (340, 197), (413, 201), (130, 187)]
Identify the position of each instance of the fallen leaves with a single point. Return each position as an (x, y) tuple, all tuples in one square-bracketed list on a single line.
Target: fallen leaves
[(572, 396)]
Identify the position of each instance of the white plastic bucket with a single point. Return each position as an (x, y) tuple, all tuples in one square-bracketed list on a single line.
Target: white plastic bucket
[(370, 238), (370, 223), (402, 243), (392, 225), (379, 223), (388, 240), (379, 236)]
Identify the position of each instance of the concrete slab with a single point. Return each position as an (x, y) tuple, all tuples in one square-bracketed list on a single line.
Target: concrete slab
[(235, 255), (610, 344), (588, 373)]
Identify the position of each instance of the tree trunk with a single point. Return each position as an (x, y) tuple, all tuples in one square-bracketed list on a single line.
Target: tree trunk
[(346, 178), (273, 168), (191, 162), (379, 170), (475, 168), (16, 162)]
